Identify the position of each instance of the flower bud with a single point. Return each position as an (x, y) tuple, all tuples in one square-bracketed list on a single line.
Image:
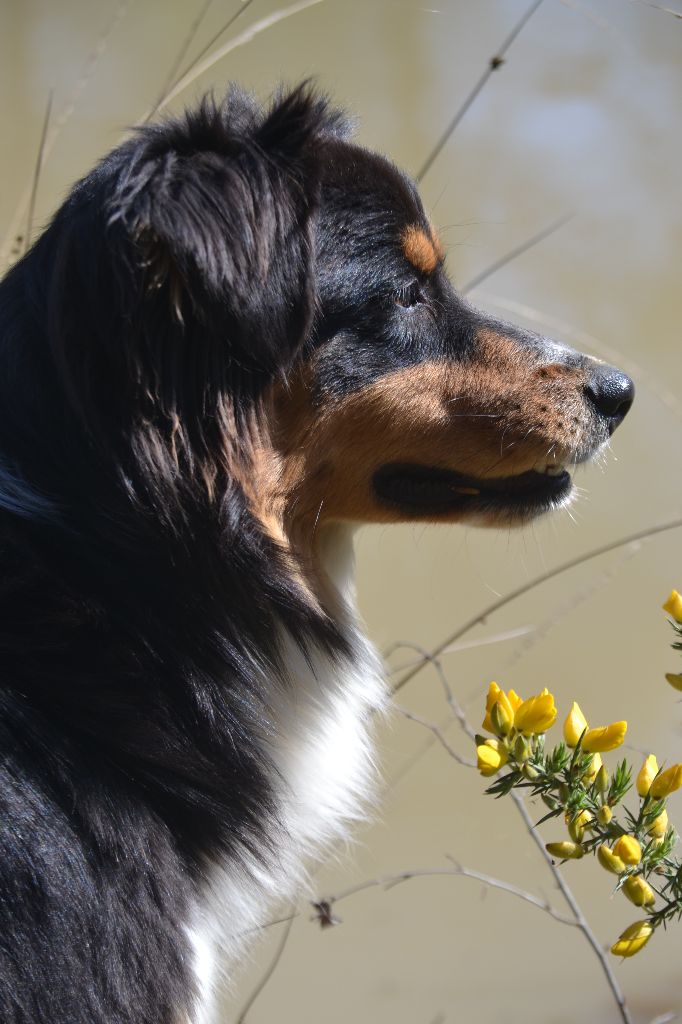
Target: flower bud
[(531, 773), (522, 750), (491, 757), (659, 825), (667, 782), (502, 717), (592, 772), (601, 781), (628, 849), (550, 801), (604, 815), (509, 701), (674, 606), (638, 891), (633, 939), (606, 737), (565, 850), (675, 679), (574, 726), (647, 774), (608, 860), (578, 825)]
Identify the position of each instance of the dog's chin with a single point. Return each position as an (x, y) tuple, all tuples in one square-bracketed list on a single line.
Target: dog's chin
[(429, 492)]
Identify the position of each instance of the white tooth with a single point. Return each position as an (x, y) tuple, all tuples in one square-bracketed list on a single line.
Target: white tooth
[(554, 470)]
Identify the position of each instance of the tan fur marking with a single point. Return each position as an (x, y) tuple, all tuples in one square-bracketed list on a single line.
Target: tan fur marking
[(497, 414), (420, 249)]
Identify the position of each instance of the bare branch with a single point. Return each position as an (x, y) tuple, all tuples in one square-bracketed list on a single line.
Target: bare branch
[(200, 67), (437, 732), (243, 6), (453, 703), (485, 641), (272, 967), (580, 920), (519, 250), (174, 72), (537, 581), (36, 172), (494, 63), (387, 882), (67, 110), (658, 7)]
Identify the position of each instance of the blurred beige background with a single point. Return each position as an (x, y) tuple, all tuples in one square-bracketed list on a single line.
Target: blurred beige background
[(585, 117)]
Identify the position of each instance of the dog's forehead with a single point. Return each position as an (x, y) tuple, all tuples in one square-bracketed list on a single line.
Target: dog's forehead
[(366, 196)]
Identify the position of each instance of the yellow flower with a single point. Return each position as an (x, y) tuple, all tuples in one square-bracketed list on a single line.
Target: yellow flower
[(536, 714), (574, 726), (638, 891), (675, 679), (608, 859), (577, 825), (508, 703), (604, 814), (606, 737), (667, 782), (659, 825), (633, 939), (502, 717), (491, 757), (565, 850), (647, 774), (592, 772), (628, 849), (673, 606)]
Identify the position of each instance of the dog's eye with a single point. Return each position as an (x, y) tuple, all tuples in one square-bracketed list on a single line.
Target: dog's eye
[(409, 296)]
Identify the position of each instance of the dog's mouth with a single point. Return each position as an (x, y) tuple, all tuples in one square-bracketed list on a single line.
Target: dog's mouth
[(430, 490)]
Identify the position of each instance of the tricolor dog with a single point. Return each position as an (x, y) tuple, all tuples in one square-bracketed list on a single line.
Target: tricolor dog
[(235, 342)]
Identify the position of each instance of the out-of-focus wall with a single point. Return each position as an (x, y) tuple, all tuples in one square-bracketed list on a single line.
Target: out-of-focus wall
[(584, 117)]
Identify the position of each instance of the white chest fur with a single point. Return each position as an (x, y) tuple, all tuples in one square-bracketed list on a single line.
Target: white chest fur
[(322, 750)]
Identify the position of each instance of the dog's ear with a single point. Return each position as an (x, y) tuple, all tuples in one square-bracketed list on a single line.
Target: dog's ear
[(218, 207)]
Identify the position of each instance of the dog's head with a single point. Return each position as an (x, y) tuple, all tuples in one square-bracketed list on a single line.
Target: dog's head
[(265, 306)]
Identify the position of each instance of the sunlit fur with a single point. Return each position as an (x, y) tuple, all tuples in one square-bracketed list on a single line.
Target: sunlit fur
[(235, 342)]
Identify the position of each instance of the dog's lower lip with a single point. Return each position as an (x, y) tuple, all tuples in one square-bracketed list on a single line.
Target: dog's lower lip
[(433, 489)]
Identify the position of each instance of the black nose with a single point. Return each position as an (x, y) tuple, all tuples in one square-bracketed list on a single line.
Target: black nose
[(611, 392)]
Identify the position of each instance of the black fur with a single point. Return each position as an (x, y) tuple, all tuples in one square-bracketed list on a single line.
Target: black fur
[(138, 598)]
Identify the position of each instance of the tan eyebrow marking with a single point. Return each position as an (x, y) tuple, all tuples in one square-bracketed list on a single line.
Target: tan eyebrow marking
[(424, 251)]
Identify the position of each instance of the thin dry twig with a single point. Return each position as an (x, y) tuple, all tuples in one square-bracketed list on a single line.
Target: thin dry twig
[(36, 171), (580, 921), (200, 67), (244, 6), (456, 870), (174, 74), (658, 7), (272, 967), (494, 63), (486, 641), (519, 250), (64, 116), (570, 605), (428, 657), (438, 733), (537, 581)]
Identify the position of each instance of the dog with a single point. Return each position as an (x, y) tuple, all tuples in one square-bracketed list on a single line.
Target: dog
[(235, 342)]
